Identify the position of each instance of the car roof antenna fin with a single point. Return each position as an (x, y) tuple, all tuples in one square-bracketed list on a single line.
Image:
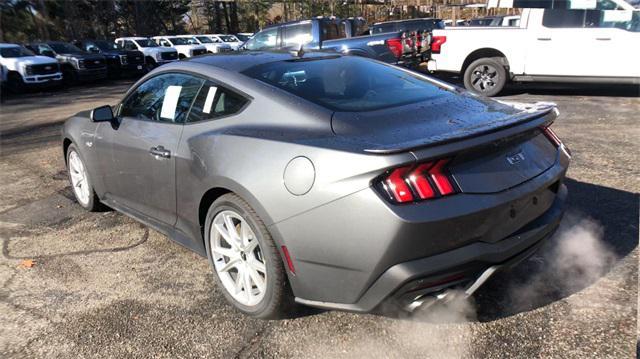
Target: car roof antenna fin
[(299, 52)]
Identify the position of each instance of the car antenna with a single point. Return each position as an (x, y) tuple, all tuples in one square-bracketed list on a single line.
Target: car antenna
[(299, 52)]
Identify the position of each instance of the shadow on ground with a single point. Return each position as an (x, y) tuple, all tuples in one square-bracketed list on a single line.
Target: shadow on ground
[(614, 210)]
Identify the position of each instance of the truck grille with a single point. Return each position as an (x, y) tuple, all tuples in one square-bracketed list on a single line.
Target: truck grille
[(93, 63), (170, 55), (197, 52), (44, 69), (135, 59)]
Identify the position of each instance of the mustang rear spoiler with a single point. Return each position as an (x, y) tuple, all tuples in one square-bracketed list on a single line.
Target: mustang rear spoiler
[(533, 115)]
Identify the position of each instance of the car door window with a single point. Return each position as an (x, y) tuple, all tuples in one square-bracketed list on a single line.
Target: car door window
[(263, 40), (215, 101), (164, 98)]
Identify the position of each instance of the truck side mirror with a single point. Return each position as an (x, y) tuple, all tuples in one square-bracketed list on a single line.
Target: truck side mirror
[(48, 53)]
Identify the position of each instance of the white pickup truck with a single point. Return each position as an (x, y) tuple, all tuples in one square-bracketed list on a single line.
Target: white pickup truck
[(23, 68), (184, 47), (588, 46)]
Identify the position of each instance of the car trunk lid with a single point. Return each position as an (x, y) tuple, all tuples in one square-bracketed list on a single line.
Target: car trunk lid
[(501, 162)]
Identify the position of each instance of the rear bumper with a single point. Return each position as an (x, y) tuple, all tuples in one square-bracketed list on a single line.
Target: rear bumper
[(407, 281)]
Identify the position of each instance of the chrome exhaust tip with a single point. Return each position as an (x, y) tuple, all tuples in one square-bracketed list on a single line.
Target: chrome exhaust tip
[(427, 300)]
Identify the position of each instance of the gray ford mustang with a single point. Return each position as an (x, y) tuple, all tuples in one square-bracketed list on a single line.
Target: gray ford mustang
[(332, 181)]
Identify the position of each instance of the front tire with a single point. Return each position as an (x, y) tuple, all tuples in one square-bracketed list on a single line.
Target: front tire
[(245, 259), (486, 76), (80, 181), (15, 82)]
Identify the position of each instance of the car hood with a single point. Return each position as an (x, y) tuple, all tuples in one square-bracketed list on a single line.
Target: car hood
[(12, 62), (189, 47), (82, 56), (433, 121), (121, 52)]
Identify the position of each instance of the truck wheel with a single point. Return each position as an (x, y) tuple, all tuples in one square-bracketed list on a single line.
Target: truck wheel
[(69, 76), (15, 82), (486, 76)]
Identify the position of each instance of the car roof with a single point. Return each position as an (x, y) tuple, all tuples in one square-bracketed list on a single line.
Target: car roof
[(239, 61)]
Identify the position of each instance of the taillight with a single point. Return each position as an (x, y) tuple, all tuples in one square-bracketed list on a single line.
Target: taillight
[(436, 43), (416, 183), (395, 46), (548, 132), (553, 138)]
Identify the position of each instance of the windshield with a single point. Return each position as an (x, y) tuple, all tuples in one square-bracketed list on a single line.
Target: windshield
[(146, 43), (347, 83), (17, 51), (64, 48), (105, 45), (242, 37), (228, 38), (204, 39), (179, 41)]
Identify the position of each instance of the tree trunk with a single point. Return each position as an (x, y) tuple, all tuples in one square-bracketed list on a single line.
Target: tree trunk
[(227, 21)]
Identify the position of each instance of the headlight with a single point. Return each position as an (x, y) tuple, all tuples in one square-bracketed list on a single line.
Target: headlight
[(78, 63), (158, 55), (28, 69)]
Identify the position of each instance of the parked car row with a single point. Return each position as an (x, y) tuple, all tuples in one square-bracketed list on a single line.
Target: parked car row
[(50, 63)]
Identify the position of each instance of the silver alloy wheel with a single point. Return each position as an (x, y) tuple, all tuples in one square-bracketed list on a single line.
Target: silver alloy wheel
[(484, 78), (237, 258), (79, 178)]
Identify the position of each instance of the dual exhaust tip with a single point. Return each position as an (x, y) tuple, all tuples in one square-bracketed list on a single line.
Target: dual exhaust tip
[(448, 295)]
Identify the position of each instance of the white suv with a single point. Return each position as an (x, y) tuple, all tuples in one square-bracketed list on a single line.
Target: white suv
[(23, 68), (183, 46), (154, 55)]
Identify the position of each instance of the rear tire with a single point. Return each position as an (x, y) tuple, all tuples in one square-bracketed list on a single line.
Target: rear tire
[(276, 299), (486, 76)]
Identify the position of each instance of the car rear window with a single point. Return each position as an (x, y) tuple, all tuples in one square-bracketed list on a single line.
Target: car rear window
[(347, 83)]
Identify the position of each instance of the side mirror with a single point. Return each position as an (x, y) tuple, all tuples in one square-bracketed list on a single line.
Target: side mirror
[(94, 50), (102, 114), (166, 45), (48, 53)]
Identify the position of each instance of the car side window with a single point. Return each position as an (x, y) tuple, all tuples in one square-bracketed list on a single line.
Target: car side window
[(129, 45), (263, 40), (296, 35), (215, 101), (164, 98)]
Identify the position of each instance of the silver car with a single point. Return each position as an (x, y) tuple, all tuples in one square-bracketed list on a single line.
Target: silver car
[(331, 181)]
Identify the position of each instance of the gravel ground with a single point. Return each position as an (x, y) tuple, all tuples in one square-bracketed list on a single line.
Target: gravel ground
[(77, 284)]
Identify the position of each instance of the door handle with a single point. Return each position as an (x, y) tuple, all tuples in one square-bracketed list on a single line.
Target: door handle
[(160, 151), (603, 38), (544, 39)]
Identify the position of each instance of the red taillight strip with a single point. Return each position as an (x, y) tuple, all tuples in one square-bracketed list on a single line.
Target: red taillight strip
[(551, 136), (420, 182), (441, 179), (397, 186), (396, 47)]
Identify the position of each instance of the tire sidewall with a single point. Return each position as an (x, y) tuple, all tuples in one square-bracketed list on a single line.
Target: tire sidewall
[(271, 263), (91, 203), (502, 72)]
